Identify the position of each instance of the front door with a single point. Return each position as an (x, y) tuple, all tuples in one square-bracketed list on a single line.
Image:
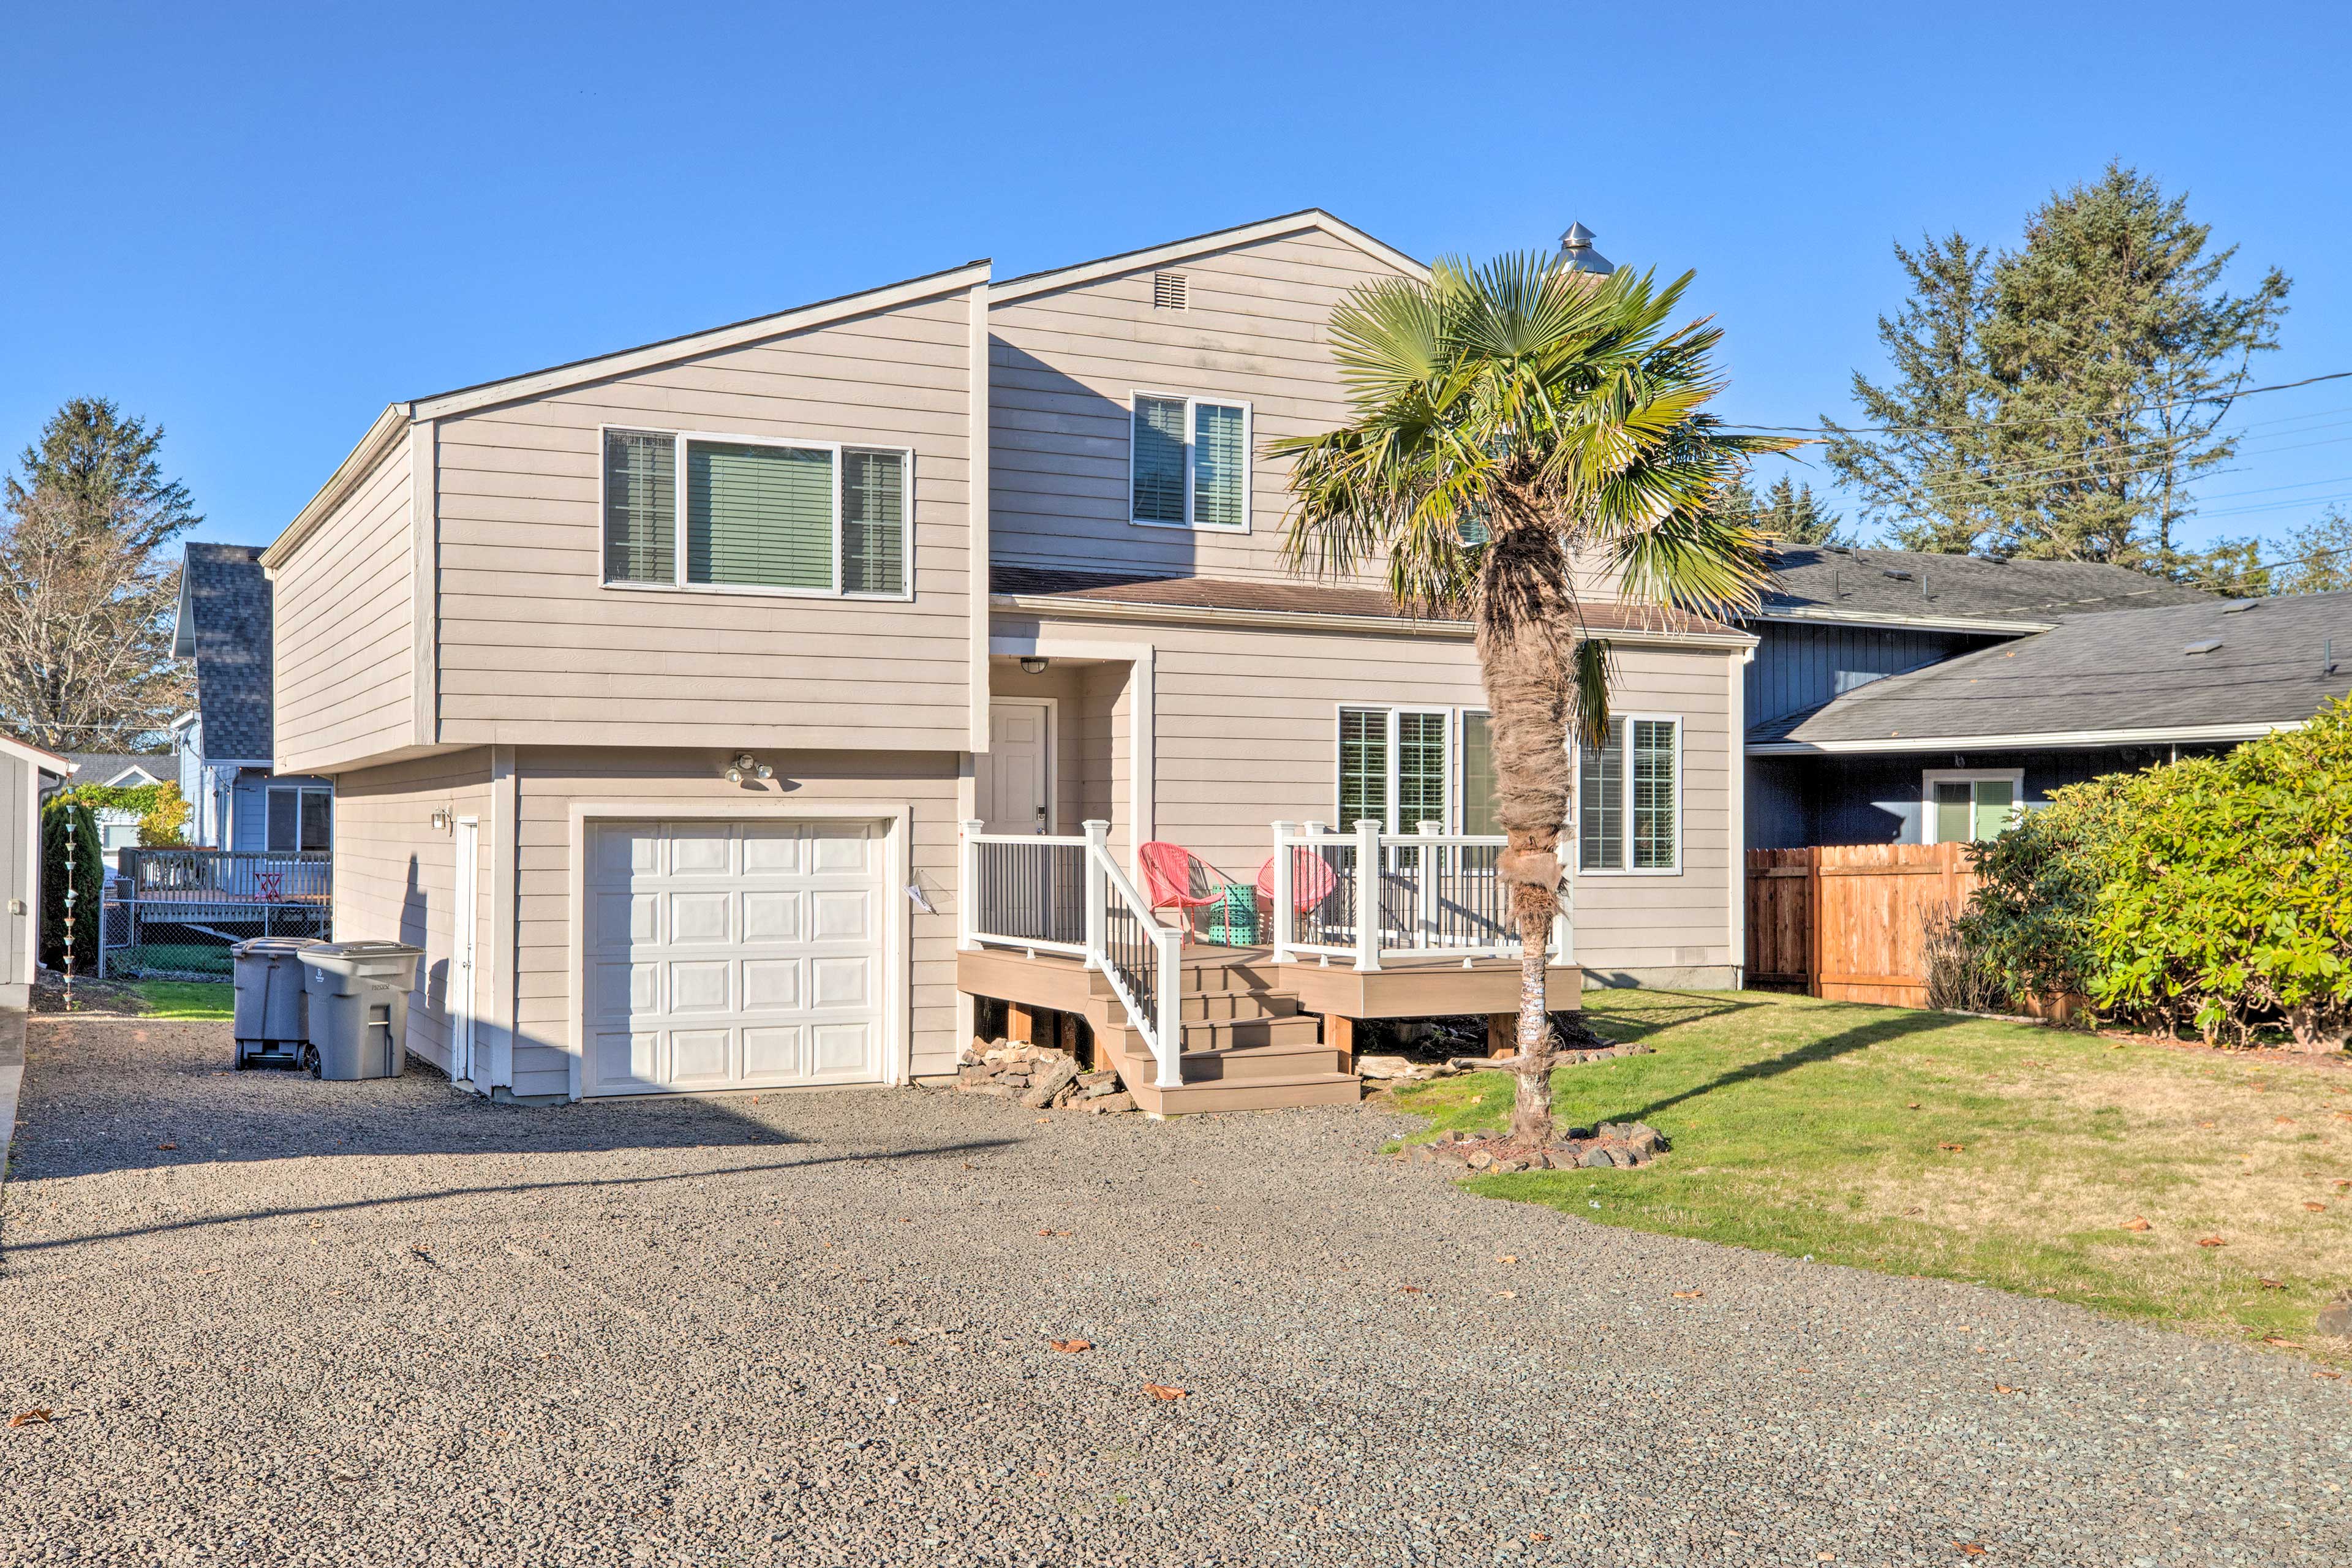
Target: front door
[(1015, 779), (464, 911)]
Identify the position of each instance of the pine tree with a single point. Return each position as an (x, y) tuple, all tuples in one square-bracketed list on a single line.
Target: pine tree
[(2057, 401), (93, 458), (1789, 512)]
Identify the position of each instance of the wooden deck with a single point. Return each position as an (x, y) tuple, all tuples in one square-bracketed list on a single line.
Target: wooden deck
[(1257, 1035)]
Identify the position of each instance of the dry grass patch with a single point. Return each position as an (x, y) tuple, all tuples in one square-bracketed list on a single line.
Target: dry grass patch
[(2003, 1154)]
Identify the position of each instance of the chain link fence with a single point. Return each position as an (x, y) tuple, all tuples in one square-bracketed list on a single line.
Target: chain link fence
[(175, 914)]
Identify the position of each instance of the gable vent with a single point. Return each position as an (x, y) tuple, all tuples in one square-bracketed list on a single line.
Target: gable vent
[(1168, 291)]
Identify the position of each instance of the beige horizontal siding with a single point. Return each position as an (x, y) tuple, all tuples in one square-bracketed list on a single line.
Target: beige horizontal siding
[(550, 780), (533, 649), (395, 876), (343, 630), (1247, 734)]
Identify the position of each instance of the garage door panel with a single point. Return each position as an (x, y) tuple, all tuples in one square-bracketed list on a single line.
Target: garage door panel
[(771, 916), (771, 984), (701, 917), (841, 914), (723, 954)]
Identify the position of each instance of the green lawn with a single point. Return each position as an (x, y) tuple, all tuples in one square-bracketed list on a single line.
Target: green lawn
[(184, 998), (1805, 1126)]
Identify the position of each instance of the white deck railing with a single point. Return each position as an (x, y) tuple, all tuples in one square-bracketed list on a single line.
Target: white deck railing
[(1065, 894), (1371, 895)]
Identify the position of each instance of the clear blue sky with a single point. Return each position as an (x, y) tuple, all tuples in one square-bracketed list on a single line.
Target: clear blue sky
[(258, 226)]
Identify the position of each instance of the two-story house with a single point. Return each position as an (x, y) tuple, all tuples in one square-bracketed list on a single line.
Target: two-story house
[(238, 799), (657, 689)]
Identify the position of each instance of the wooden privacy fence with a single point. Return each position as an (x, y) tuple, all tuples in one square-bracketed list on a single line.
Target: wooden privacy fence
[(1849, 921)]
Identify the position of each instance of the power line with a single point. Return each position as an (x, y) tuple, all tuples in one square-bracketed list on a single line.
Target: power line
[(2052, 419)]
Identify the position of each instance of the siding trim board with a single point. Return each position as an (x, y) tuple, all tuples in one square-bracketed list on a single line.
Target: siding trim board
[(2059, 740), (897, 820)]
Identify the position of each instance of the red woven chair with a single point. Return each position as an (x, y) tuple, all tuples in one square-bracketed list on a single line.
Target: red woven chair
[(1173, 876), (1312, 881)]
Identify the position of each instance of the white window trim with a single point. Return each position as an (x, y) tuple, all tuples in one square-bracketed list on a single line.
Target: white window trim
[(678, 583), (1576, 817), (1930, 777), (298, 791), (1249, 447), (1451, 717)]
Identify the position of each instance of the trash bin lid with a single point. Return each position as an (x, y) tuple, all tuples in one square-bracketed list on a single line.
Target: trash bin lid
[(261, 946), (361, 957)]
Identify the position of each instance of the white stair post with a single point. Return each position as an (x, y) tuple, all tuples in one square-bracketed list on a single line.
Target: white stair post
[(968, 883), (1285, 930), (1368, 894), (1172, 1009), (1098, 892), (1424, 882)]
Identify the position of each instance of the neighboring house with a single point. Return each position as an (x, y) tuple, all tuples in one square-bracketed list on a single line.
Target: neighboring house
[(117, 828), (1918, 699), (26, 772), (237, 798), (951, 550)]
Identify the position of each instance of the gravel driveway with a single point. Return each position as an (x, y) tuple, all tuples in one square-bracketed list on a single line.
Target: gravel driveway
[(380, 1324)]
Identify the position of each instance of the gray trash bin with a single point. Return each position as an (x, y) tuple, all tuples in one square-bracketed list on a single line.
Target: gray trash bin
[(358, 994), (272, 1013)]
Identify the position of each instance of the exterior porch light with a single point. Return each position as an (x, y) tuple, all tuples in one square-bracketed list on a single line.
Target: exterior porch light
[(746, 767), (1033, 665), (441, 821)]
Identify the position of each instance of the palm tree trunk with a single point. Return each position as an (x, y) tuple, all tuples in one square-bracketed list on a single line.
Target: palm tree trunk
[(1526, 643)]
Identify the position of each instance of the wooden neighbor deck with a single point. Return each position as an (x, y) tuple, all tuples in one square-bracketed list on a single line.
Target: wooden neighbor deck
[(1257, 1035)]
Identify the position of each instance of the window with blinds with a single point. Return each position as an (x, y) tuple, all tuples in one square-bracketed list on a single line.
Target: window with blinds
[(712, 513), (1363, 765), (759, 517), (1420, 770), (873, 522), (1188, 462), (1629, 798), (640, 506), (1478, 782), (1393, 757)]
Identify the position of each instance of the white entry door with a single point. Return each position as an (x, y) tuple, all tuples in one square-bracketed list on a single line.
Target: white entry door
[(732, 956), (464, 911), (1014, 790)]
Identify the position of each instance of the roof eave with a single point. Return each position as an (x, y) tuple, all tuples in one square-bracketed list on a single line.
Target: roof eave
[(372, 449), (1052, 604), (1084, 272), (2051, 741)]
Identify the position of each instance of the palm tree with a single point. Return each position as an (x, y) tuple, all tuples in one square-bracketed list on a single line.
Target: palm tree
[(1513, 425)]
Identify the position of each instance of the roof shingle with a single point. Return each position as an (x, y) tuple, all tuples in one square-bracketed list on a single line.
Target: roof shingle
[(229, 605)]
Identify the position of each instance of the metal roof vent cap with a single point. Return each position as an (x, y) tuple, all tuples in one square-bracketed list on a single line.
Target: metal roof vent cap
[(2202, 645), (1576, 250), (2238, 606)]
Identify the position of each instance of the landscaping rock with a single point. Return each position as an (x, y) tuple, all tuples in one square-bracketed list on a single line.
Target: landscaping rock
[(1397, 1068), (1108, 1103), (1596, 1158), (2335, 1318), (1049, 1080)]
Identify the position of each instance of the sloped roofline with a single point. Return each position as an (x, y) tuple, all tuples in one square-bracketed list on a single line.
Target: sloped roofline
[(1315, 219), (393, 422), (27, 751)]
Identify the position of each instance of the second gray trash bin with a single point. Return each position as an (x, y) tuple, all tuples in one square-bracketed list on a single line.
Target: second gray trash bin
[(358, 994), (272, 1024)]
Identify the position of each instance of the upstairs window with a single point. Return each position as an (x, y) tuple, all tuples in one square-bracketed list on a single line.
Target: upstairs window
[(748, 513), (1629, 798), (1189, 463)]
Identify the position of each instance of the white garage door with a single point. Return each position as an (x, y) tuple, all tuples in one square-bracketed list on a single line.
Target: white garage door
[(727, 955)]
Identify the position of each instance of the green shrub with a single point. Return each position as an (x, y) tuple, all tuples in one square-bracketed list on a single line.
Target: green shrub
[(66, 816), (2033, 922), (2226, 888)]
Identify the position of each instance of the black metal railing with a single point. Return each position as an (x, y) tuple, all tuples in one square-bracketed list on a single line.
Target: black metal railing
[(1031, 890), (1131, 955)]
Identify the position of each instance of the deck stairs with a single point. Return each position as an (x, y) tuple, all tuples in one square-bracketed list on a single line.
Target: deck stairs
[(1246, 1046)]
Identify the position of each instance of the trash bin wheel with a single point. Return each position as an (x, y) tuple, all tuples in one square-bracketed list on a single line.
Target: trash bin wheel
[(311, 1060)]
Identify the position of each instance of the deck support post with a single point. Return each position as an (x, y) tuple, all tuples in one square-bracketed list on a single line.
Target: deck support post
[(1097, 937), (1339, 1035), (1501, 1034), (1020, 1023), (1367, 895)]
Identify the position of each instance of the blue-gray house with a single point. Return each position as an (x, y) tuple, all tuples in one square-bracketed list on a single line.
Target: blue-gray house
[(222, 744), (1898, 698)]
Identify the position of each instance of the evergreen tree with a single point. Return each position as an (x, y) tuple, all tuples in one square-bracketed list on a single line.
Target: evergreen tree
[(2315, 559), (1787, 512), (103, 465), (2057, 401)]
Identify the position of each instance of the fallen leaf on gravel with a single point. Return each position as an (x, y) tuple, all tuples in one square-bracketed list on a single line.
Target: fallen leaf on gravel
[(2341, 1115), (1537, 1535), (38, 1414), (1951, 1148), (1410, 1290), (1507, 1258), (1824, 1556), (167, 1145), (2137, 1222), (1970, 1547), (898, 1339), (2286, 1121), (1071, 1347), (1507, 1295), (2004, 1388), (1688, 1295), (2331, 1376), (1162, 1390), (2286, 1344)]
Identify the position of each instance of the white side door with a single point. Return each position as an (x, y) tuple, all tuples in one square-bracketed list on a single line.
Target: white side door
[(1014, 790), (465, 909)]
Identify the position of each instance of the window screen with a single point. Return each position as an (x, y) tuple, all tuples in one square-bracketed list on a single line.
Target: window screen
[(1219, 460), (1158, 437), (873, 522), (759, 515), (1600, 802), (640, 507)]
